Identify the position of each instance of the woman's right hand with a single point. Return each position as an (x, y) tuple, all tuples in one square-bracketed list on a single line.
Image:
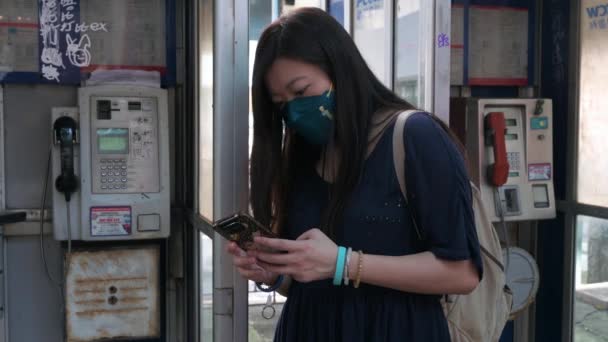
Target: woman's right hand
[(248, 266)]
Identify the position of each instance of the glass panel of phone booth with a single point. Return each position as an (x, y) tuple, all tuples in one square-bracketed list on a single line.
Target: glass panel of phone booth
[(124, 166), (408, 64), (372, 33), (205, 112), (206, 287), (528, 192), (421, 57), (593, 123), (591, 280)]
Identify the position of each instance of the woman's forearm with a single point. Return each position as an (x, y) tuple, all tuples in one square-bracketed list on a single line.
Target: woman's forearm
[(417, 273)]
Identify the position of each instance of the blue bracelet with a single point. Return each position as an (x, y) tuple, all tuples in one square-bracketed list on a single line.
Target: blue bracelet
[(340, 266), (274, 287)]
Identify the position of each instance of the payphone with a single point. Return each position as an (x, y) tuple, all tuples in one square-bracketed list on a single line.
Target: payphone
[(510, 148), (111, 165)]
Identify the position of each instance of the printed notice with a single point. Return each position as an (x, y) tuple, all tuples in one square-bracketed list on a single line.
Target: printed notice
[(457, 46), (19, 48), (135, 38), (498, 46), (19, 11), (110, 221), (18, 36)]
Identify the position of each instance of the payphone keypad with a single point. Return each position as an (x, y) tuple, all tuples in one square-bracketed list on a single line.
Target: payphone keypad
[(113, 174), (514, 161)]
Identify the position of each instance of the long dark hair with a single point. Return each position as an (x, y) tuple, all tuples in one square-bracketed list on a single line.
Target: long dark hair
[(312, 36)]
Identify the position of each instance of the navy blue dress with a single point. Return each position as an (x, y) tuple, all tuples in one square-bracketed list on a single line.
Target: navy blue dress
[(378, 221)]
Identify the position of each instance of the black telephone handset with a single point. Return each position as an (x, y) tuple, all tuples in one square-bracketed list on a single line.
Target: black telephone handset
[(65, 134)]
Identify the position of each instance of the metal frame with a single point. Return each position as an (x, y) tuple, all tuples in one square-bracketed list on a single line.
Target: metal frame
[(323, 5), (568, 206), (230, 164), (4, 329), (195, 29), (348, 16), (2, 171), (389, 42), (426, 55), (441, 67), (188, 297)]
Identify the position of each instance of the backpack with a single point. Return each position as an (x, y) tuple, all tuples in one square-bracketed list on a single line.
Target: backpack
[(481, 315)]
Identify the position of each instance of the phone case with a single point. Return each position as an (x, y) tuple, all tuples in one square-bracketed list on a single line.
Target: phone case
[(241, 228)]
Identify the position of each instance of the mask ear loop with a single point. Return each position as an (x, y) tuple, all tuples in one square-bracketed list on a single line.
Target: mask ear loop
[(331, 89)]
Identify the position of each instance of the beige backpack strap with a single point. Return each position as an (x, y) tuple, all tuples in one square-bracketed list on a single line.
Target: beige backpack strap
[(399, 155), (399, 148)]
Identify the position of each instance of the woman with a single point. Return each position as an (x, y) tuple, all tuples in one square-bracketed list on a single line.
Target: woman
[(327, 181)]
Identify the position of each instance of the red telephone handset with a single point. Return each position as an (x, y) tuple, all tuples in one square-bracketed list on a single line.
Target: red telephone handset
[(495, 127)]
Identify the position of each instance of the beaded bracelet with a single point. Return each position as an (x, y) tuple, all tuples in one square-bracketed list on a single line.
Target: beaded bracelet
[(346, 270), (359, 270)]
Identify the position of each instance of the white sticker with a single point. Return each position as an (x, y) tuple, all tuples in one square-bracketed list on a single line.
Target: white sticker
[(110, 221)]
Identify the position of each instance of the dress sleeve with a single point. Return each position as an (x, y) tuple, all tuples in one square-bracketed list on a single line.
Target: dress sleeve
[(439, 191)]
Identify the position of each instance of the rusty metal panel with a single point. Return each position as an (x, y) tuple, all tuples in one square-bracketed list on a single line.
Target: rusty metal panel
[(113, 294)]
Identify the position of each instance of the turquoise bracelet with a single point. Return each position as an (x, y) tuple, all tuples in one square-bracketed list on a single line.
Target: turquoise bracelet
[(340, 260)]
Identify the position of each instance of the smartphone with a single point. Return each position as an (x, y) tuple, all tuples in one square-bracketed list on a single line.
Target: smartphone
[(241, 228)]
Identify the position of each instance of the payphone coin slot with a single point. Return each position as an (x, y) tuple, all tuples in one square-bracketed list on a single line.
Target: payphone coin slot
[(508, 202)]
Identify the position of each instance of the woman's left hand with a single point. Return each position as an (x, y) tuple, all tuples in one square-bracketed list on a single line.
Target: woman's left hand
[(311, 257)]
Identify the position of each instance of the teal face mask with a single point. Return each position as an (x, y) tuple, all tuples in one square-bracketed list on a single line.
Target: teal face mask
[(312, 116)]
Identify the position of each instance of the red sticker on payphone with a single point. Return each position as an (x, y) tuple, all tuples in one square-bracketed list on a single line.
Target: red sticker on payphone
[(539, 172), (110, 221)]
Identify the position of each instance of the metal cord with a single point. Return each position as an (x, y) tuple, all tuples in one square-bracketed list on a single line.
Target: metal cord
[(505, 232), (42, 252), (69, 218)]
